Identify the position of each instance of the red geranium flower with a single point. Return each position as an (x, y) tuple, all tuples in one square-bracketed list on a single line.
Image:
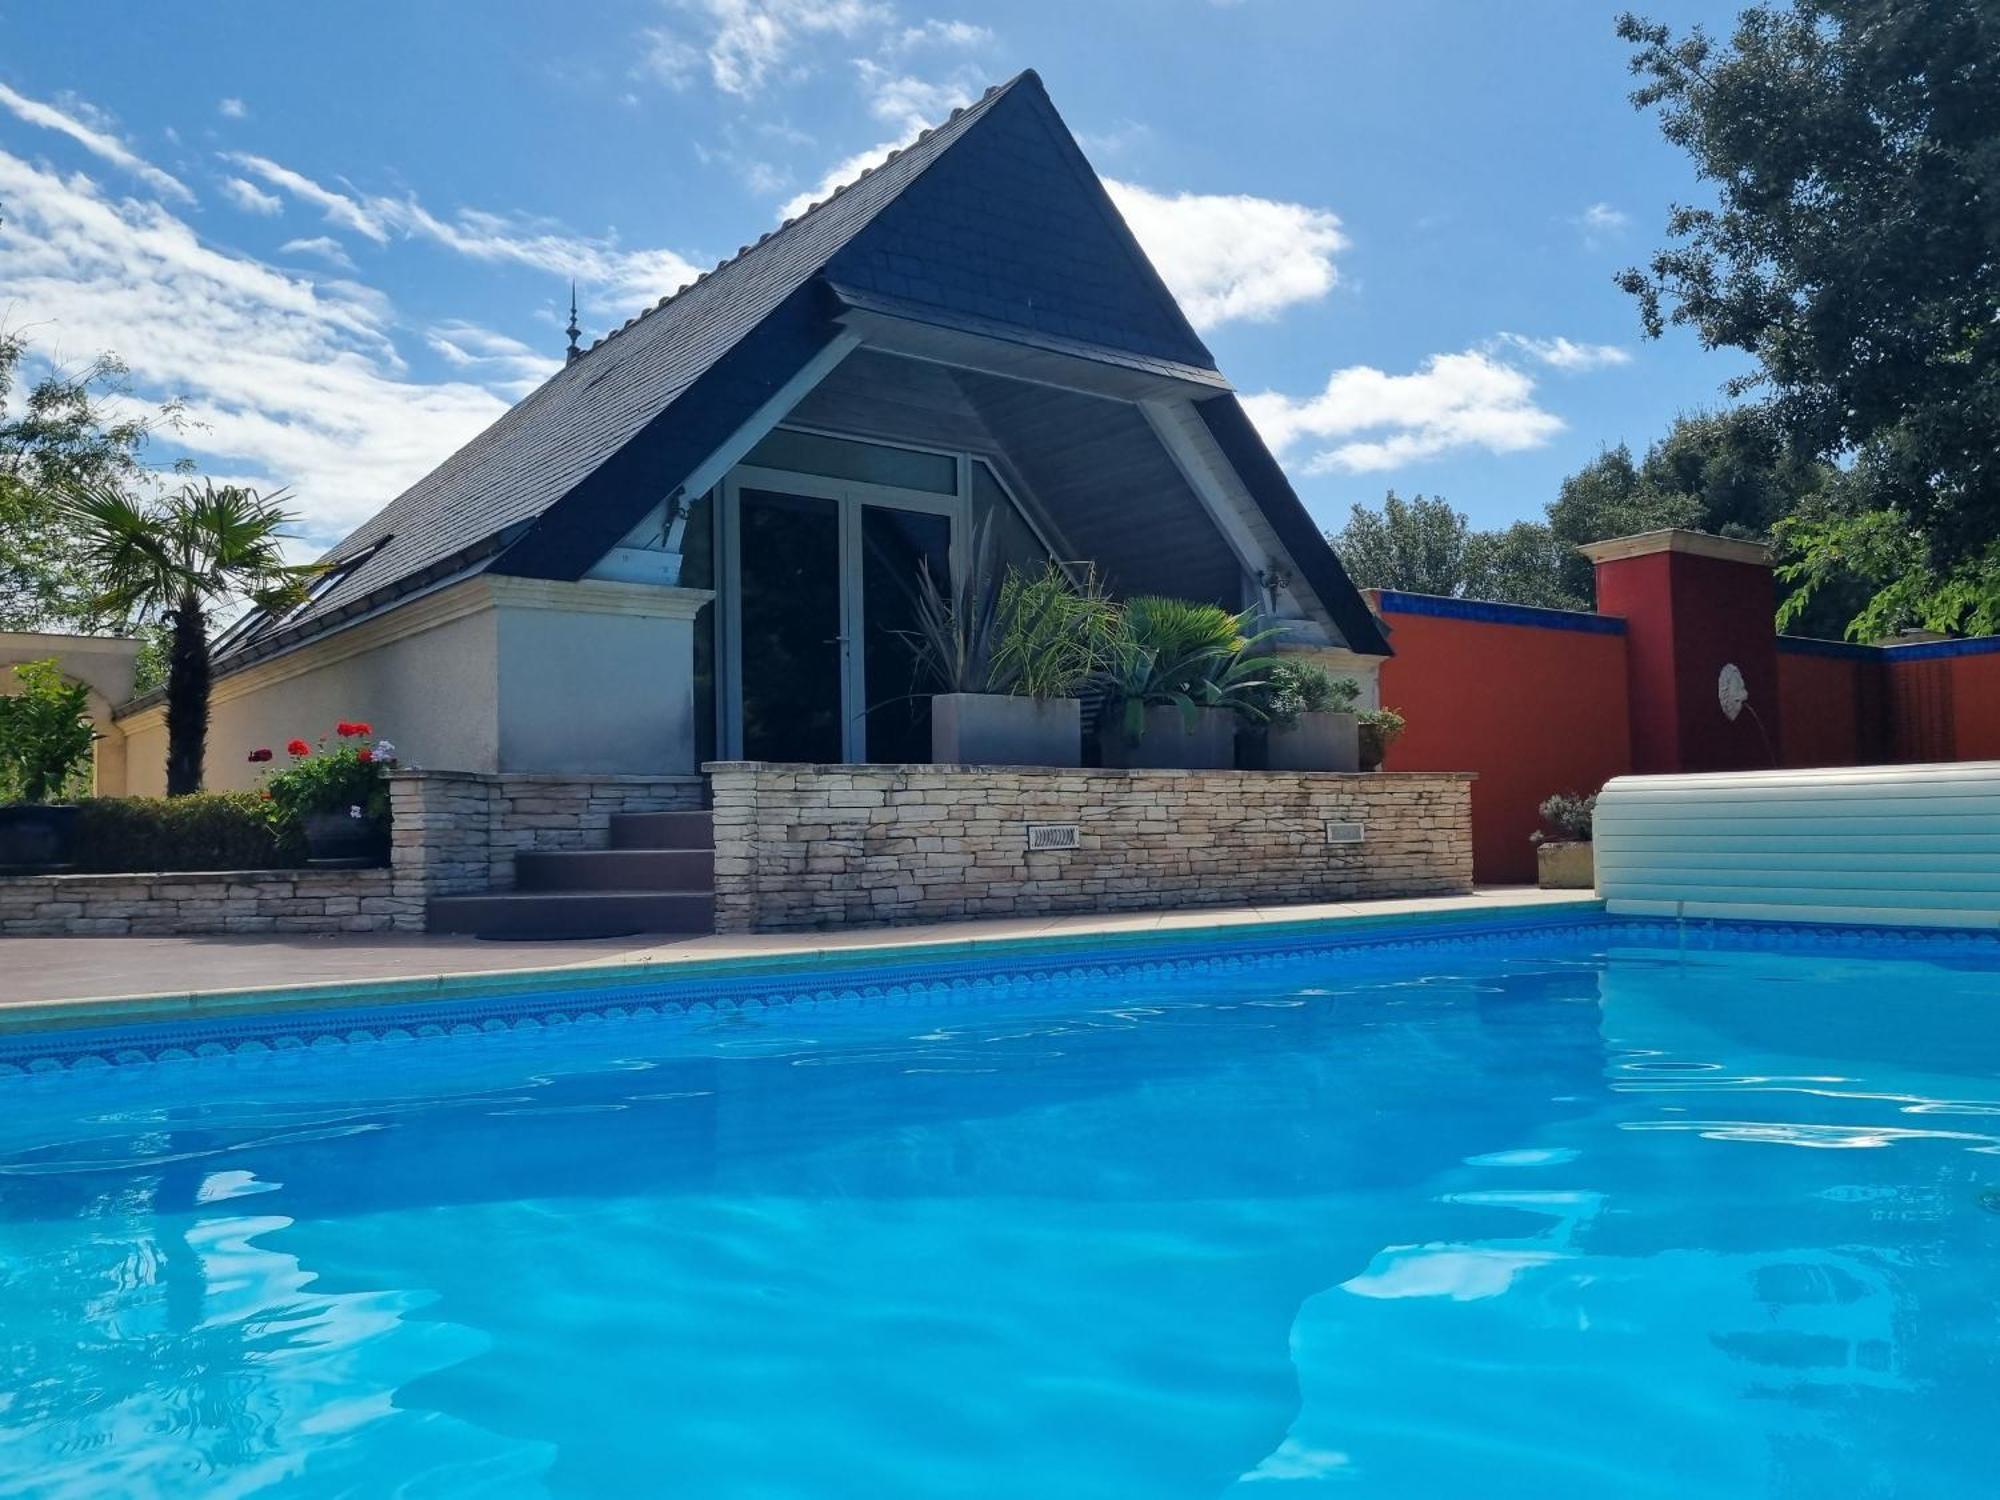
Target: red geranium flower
[(257, 756), (298, 747), (353, 730), (364, 755)]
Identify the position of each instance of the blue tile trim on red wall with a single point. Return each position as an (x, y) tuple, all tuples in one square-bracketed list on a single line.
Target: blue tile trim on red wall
[(1488, 612)]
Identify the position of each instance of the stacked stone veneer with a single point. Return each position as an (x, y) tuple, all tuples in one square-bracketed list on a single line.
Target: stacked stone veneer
[(452, 832), (173, 903), (830, 846)]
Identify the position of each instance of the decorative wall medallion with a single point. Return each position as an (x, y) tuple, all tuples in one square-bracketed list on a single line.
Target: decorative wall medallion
[(1731, 691)]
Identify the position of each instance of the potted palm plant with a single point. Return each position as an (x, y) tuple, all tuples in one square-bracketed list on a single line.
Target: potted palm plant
[(1010, 654), (45, 742), (1307, 723), (1180, 676), (1564, 859)]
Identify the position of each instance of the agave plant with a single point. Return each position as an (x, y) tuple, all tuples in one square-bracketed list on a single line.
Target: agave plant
[(958, 623), (1174, 651)]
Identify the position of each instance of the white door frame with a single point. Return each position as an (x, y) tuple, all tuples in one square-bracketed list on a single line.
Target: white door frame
[(850, 496)]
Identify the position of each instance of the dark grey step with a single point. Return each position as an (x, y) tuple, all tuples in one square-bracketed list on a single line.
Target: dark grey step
[(573, 914), (614, 870), (662, 830)]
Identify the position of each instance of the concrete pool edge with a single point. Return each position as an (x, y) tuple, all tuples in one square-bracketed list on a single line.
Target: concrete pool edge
[(91, 1012)]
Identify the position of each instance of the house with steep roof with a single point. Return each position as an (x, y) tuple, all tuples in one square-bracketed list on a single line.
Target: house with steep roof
[(696, 540)]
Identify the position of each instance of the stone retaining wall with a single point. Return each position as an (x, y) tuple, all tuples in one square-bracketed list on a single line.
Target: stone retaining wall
[(452, 832), (182, 903), (833, 846)]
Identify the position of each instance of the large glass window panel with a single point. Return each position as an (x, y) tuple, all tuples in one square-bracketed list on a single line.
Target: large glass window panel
[(844, 458), (1015, 542), (896, 547), (789, 605)]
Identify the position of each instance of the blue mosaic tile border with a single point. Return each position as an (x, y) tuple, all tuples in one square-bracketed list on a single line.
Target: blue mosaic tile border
[(925, 983)]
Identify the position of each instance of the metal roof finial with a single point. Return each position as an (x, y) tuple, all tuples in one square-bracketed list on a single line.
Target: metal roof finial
[(575, 353)]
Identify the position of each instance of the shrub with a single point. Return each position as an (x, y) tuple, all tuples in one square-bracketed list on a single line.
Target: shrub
[(45, 736), (1570, 814), (1293, 687), (205, 831)]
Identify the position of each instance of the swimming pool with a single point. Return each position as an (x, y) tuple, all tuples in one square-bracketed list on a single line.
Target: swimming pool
[(1596, 1208)]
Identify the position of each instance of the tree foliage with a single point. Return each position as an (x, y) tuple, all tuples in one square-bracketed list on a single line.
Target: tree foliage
[(176, 563), (1853, 249), (1726, 472)]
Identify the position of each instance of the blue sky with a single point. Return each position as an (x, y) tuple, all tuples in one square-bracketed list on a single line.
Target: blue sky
[(345, 233)]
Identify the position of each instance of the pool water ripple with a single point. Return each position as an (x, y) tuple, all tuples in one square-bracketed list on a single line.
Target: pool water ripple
[(1450, 1221)]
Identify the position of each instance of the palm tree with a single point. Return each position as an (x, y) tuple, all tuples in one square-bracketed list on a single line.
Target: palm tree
[(176, 561)]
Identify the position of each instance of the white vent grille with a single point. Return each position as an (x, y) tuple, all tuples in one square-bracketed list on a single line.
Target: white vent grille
[(1345, 833), (1052, 836)]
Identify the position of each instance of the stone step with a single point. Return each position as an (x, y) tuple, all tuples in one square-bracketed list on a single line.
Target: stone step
[(663, 830), (572, 914), (643, 869)]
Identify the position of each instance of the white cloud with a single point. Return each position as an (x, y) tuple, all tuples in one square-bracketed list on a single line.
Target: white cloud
[(325, 246), (93, 135), (339, 209), (1567, 354), (1231, 256), (1601, 224), (742, 43), (232, 109), (613, 279), (490, 355), (936, 33), (1366, 420), (251, 198), (287, 383), (907, 103)]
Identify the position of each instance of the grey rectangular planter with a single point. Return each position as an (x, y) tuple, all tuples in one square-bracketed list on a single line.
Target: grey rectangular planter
[(1167, 743), (999, 729), (1565, 866), (1315, 742)]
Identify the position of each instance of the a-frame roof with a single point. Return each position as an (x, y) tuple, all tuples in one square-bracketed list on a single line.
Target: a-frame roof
[(1017, 233)]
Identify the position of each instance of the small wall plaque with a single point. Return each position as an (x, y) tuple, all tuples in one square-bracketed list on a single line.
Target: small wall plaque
[(1346, 833)]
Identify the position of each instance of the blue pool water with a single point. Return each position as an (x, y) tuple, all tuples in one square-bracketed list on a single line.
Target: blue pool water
[(1576, 1213)]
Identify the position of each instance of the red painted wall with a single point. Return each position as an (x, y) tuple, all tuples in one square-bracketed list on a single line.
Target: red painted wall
[(1533, 710), (1832, 709), (1686, 617), (1975, 696)]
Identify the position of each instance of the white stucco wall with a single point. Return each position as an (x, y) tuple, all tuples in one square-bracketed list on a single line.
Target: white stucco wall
[(494, 674), (432, 693), (587, 691)]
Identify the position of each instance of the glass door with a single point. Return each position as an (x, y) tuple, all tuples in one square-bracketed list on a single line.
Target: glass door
[(821, 578), (790, 632), (897, 547)]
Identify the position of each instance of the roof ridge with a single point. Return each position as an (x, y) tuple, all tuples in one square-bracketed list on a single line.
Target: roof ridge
[(993, 92)]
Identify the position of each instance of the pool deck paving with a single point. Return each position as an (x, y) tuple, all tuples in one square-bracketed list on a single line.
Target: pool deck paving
[(67, 980)]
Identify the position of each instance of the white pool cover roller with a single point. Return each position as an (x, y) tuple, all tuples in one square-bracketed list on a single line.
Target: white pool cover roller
[(1897, 845)]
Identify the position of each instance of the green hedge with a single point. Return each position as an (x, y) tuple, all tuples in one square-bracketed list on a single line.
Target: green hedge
[(209, 831)]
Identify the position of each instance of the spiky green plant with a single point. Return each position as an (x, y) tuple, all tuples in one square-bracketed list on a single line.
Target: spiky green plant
[(1187, 654), (1056, 634)]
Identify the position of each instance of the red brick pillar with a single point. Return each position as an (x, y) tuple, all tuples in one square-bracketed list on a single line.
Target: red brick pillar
[(1695, 606)]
